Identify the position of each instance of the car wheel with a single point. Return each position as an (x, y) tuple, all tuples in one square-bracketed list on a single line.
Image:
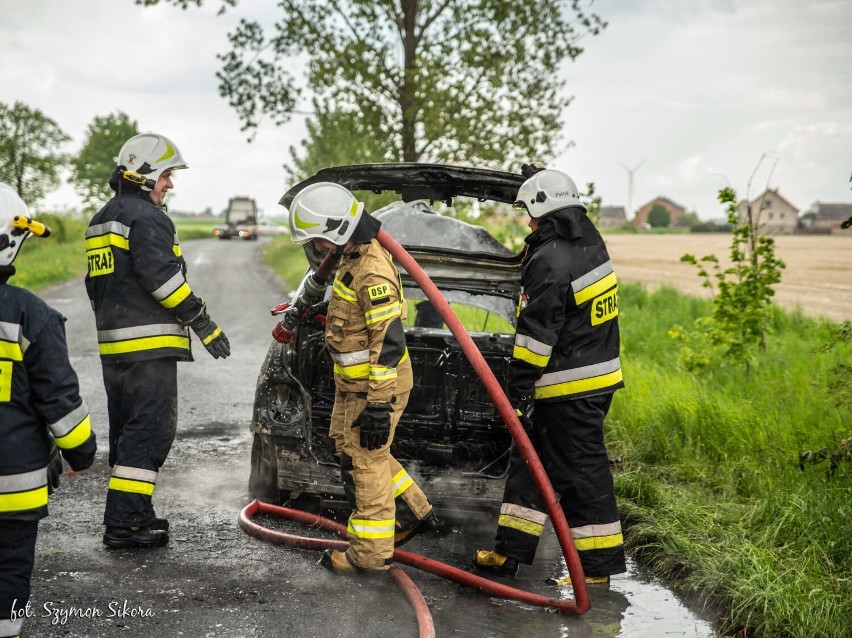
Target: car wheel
[(263, 477)]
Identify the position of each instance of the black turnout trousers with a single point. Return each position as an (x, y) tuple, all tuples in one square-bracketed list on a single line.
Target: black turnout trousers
[(142, 406), (569, 438), (17, 556)]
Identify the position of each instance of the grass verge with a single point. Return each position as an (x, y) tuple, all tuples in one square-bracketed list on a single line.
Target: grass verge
[(712, 490)]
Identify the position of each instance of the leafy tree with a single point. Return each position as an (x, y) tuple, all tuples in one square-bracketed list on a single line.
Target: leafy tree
[(29, 160), (659, 216), (447, 80), (337, 138), (688, 219), (91, 169), (742, 294)]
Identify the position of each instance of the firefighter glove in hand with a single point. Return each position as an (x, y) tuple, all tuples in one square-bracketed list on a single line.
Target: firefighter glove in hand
[(54, 469), (375, 423), (316, 314), (524, 409), (211, 335)]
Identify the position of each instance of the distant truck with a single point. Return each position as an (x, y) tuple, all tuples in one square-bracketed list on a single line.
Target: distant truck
[(240, 219)]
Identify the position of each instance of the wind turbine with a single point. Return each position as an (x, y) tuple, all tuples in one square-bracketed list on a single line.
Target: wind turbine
[(630, 172)]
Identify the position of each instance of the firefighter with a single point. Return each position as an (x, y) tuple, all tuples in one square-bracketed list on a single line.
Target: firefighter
[(143, 307), (372, 375), (41, 414), (564, 370)]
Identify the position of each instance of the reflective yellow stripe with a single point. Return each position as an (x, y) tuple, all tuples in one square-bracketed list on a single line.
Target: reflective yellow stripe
[(212, 336), (11, 351), (77, 436), (382, 313), (353, 209), (5, 381), (580, 385), (19, 501), (127, 485), (177, 296), (110, 239), (146, 343), (363, 528), (176, 250), (595, 289), (380, 373), (598, 542), (538, 360), (520, 524), (401, 482), (353, 372), (345, 293)]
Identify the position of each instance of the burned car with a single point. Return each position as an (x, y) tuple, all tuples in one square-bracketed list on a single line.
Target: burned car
[(451, 437)]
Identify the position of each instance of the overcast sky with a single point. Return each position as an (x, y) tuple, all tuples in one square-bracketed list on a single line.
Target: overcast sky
[(695, 90)]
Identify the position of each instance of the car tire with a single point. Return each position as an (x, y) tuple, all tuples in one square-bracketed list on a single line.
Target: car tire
[(263, 477)]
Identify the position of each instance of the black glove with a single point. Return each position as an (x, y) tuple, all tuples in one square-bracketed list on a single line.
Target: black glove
[(54, 468), (528, 170), (210, 334), (375, 423), (524, 409), (316, 314)]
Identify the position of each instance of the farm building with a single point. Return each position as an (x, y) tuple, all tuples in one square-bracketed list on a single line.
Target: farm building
[(772, 213), (675, 211)]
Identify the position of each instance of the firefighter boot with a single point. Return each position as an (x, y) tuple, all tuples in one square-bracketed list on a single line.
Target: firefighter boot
[(339, 563), (491, 562), (160, 523), (429, 523), (129, 537), (590, 580)]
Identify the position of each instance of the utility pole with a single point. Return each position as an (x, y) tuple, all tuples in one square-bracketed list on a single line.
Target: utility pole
[(630, 172)]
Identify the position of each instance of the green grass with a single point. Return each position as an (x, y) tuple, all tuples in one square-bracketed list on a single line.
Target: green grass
[(287, 260), (45, 261), (712, 492), (194, 228)]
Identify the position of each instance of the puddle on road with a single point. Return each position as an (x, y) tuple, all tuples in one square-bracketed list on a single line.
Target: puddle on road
[(635, 605)]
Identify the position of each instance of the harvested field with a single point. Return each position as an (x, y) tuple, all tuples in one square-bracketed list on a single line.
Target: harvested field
[(817, 279)]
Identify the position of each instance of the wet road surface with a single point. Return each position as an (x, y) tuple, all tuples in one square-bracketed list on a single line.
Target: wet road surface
[(213, 579)]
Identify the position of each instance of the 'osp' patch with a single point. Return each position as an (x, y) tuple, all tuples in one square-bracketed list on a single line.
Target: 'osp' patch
[(378, 291), (100, 261)]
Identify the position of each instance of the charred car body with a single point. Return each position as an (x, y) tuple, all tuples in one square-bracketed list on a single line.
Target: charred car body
[(451, 437)]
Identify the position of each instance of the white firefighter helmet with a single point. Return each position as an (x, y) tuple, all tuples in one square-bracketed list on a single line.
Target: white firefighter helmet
[(547, 191), (324, 210), (149, 154), (15, 224)]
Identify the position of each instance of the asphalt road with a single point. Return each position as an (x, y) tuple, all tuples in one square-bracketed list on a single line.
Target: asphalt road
[(213, 579)]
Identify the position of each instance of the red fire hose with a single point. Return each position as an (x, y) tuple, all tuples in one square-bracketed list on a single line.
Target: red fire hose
[(501, 402)]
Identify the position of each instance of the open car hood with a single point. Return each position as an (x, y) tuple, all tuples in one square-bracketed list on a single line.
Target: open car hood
[(464, 261), (435, 182)]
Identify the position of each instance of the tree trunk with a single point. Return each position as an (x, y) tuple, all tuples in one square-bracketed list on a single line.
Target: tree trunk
[(407, 91)]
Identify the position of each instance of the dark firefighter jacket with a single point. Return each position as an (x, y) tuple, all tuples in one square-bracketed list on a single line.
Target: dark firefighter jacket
[(39, 399), (567, 341), (137, 280), (364, 330)]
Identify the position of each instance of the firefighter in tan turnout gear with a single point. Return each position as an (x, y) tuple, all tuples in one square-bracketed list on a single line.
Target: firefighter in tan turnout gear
[(41, 414), (372, 375), (564, 370), (144, 308)]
